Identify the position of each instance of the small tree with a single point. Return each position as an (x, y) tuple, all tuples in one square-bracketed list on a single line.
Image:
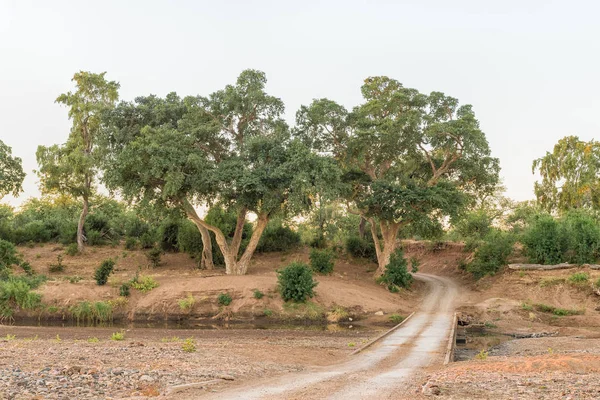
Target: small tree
[(71, 168), (396, 273), (296, 282), (103, 271)]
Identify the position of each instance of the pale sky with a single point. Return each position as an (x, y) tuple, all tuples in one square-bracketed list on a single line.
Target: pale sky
[(531, 69)]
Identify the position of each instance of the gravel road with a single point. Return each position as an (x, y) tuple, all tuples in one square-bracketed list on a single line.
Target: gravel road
[(380, 372)]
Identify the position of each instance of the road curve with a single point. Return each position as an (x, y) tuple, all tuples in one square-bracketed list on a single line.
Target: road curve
[(379, 372)]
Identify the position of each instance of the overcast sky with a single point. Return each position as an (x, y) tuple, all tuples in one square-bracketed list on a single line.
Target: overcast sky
[(531, 69)]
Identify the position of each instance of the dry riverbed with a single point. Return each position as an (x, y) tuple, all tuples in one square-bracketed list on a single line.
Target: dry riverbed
[(36, 364)]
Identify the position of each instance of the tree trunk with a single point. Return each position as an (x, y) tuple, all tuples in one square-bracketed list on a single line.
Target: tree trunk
[(361, 227), (206, 260), (84, 213), (241, 266), (389, 232)]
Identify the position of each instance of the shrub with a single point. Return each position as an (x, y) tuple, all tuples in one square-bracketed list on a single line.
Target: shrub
[(131, 243), (168, 232), (579, 277), (147, 240), (154, 256), (492, 253), (103, 271), (414, 264), (224, 299), (124, 290), (257, 294), (582, 234), (189, 346), (277, 237), (361, 248), (144, 284), (187, 303), (27, 268), (8, 254), (544, 240), (94, 238), (396, 274), (59, 266), (321, 261), (118, 336), (15, 292), (96, 312), (72, 249), (396, 318), (296, 282)]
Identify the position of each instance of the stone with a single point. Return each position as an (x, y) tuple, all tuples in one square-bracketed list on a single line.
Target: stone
[(379, 313)]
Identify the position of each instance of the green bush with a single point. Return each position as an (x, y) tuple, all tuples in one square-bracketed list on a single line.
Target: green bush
[(95, 238), (582, 234), (168, 233), (124, 290), (474, 225), (27, 268), (277, 237), (579, 277), (296, 282), (8, 254), (492, 254), (224, 299), (131, 243), (15, 293), (154, 256), (147, 240), (189, 240), (58, 266), (321, 261), (257, 294), (72, 249), (361, 248), (544, 240), (103, 271), (144, 284), (396, 274)]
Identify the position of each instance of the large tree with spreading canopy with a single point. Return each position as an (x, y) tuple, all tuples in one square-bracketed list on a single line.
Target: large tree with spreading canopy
[(71, 168), (407, 157), (231, 148)]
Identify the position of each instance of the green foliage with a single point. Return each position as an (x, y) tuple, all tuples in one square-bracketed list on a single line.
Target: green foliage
[(131, 243), (582, 235), (396, 274), (396, 318), (8, 254), (72, 249), (15, 293), (92, 312), (278, 237), (189, 240), (153, 255), (492, 253), (474, 225), (362, 248), (11, 172), (561, 312), (414, 264), (168, 233), (27, 268), (579, 277), (257, 294), (118, 336), (147, 240), (94, 238), (224, 299), (124, 290), (544, 240), (189, 346), (569, 175), (58, 266), (296, 282), (187, 303), (103, 271), (322, 261), (144, 284)]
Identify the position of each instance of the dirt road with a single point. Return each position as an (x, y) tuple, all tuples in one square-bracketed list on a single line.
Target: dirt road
[(380, 372)]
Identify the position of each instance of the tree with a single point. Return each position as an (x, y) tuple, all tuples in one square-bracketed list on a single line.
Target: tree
[(570, 175), (407, 158), (231, 148), (11, 172), (71, 168)]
